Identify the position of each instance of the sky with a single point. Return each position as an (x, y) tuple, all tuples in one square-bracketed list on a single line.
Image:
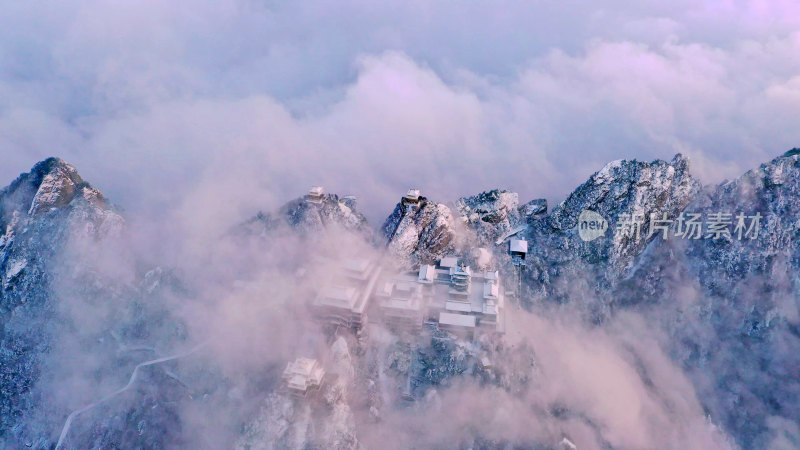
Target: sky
[(214, 110)]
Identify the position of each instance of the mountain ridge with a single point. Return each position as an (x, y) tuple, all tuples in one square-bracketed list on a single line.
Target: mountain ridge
[(734, 337)]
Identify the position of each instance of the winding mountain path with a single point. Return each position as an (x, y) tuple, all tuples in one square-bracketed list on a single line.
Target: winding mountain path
[(75, 413)]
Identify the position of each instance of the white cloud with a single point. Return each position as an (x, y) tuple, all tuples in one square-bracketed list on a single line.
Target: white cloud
[(165, 104)]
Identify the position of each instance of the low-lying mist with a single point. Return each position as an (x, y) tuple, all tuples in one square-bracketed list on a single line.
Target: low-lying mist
[(243, 299)]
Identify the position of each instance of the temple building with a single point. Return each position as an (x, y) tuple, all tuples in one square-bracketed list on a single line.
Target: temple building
[(303, 375), (427, 274), (315, 195), (412, 196), (462, 325), (345, 298), (459, 298), (450, 294), (518, 249), (460, 280), (401, 303), (448, 262), (411, 200)]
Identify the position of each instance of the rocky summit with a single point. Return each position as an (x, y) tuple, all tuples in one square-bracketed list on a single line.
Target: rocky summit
[(310, 216), (420, 233)]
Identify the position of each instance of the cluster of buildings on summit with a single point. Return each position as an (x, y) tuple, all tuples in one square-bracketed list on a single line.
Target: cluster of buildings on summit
[(450, 294)]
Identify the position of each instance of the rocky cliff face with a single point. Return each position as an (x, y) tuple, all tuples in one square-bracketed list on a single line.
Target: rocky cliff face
[(57, 303), (420, 234), (770, 191), (39, 213), (730, 304), (620, 191), (494, 216), (490, 214)]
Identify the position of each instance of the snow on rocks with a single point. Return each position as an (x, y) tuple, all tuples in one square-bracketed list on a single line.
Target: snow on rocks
[(421, 233)]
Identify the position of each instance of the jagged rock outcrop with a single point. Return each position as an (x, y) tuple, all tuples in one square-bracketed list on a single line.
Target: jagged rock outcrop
[(51, 183), (420, 233), (622, 189), (53, 186), (331, 213), (730, 304), (772, 192), (494, 216), (720, 263), (534, 209), (490, 214)]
